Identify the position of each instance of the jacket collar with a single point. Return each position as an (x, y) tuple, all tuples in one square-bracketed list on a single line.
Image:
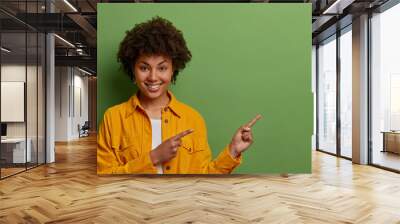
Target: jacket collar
[(174, 105)]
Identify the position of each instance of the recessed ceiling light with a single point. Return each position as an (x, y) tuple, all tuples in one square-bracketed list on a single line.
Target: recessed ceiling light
[(5, 50), (84, 71), (337, 7), (64, 40), (70, 5)]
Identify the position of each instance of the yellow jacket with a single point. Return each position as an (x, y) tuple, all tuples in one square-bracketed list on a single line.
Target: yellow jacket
[(124, 141)]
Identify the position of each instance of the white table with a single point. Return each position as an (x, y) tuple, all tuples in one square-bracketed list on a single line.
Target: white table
[(18, 149)]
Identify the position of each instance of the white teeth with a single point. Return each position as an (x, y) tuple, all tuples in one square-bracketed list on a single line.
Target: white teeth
[(153, 86)]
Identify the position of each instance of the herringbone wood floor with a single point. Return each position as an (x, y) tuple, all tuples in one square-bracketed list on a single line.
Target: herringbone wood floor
[(69, 191)]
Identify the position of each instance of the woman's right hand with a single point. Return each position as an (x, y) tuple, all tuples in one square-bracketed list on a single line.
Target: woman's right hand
[(167, 150)]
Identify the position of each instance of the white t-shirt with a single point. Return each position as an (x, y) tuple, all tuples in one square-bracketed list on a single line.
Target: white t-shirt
[(156, 138)]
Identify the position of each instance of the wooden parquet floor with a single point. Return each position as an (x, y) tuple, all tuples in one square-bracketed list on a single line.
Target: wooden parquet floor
[(69, 191)]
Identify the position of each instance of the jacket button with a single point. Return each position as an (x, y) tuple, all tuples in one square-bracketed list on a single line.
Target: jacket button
[(167, 167), (166, 120)]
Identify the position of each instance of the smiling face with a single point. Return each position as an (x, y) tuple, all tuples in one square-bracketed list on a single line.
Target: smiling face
[(153, 74)]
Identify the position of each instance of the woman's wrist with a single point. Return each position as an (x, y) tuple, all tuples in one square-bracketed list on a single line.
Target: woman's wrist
[(153, 157)]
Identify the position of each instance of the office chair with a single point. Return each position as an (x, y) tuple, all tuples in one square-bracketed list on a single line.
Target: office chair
[(84, 130)]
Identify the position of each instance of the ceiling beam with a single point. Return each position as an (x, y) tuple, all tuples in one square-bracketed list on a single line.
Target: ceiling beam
[(86, 26), (83, 61)]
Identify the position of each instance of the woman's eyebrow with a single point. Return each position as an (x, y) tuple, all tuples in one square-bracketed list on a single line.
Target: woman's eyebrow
[(143, 62), (162, 62), (149, 64)]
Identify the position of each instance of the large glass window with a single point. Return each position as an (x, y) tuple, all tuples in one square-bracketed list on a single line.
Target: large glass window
[(22, 90), (13, 88), (346, 92), (327, 95), (385, 88)]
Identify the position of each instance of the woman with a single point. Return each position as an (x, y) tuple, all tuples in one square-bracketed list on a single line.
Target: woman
[(153, 132)]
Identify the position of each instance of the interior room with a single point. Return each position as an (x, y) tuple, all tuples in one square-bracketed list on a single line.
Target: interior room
[(50, 100)]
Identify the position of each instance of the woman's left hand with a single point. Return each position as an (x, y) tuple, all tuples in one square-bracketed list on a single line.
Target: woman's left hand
[(243, 138)]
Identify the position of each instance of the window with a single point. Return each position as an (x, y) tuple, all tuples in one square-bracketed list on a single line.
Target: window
[(346, 92), (385, 88), (327, 95)]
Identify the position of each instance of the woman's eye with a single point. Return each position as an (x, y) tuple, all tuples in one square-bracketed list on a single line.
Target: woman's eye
[(143, 68), (163, 68)]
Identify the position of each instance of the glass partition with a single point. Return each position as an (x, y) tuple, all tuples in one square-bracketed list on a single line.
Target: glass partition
[(22, 64), (13, 94), (327, 95)]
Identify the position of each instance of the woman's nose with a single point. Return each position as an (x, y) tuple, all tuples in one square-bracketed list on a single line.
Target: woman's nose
[(153, 75)]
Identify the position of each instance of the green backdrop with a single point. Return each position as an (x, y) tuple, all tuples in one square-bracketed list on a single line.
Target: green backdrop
[(247, 59)]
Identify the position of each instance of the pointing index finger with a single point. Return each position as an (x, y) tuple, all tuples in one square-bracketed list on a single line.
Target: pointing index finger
[(253, 121), (183, 134)]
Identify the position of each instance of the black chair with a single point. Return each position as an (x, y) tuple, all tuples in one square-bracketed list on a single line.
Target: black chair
[(84, 130)]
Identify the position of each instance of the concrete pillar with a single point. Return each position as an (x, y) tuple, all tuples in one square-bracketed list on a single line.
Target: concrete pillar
[(50, 93), (360, 90)]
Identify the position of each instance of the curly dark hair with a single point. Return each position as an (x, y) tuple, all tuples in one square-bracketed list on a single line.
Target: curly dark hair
[(156, 36)]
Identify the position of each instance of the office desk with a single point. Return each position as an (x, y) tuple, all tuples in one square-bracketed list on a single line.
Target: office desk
[(13, 150), (391, 141)]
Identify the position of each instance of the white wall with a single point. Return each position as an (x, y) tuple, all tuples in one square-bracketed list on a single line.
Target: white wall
[(16, 72), (80, 89), (13, 101), (71, 93), (13, 72), (61, 103)]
